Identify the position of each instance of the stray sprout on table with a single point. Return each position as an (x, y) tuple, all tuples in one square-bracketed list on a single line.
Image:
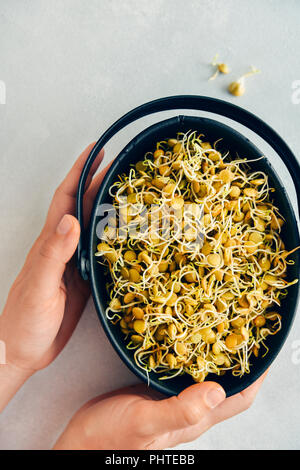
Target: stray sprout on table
[(237, 88), (220, 67)]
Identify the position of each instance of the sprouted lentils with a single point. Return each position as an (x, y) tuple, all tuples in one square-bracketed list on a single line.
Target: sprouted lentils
[(189, 304)]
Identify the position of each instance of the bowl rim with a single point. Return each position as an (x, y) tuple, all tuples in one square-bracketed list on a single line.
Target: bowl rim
[(162, 386)]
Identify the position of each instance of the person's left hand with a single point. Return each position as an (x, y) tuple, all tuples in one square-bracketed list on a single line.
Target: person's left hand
[(47, 298)]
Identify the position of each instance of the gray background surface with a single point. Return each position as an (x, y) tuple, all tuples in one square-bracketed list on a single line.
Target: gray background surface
[(71, 68)]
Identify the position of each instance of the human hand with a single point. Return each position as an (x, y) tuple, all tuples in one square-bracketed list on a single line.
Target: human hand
[(134, 418), (47, 298)]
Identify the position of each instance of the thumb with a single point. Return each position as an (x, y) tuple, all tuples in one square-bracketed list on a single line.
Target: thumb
[(53, 254), (187, 409)]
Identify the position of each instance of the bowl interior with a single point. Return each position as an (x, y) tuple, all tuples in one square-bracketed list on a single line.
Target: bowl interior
[(236, 144)]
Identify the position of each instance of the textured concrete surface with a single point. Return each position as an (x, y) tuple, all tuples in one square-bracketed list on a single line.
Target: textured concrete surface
[(70, 68)]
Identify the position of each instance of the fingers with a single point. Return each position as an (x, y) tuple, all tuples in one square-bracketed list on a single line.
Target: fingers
[(187, 409), (63, 201), (239, 402), (52, 255), (225, 410), (80, 292)]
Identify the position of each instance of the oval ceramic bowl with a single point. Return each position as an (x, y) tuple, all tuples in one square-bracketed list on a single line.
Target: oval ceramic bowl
[(236, 144)]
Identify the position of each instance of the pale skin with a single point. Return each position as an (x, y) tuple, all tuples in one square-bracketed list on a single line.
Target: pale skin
[(42, 310)]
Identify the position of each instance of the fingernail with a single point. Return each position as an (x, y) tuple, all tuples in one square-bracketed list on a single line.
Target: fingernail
[(214, 397), (64, 226)]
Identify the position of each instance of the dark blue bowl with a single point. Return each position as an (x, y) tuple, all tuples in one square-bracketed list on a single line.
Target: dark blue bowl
[(237, 144)]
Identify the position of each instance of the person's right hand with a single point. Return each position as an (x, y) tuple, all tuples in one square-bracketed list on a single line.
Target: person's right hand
[(134, 418)]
